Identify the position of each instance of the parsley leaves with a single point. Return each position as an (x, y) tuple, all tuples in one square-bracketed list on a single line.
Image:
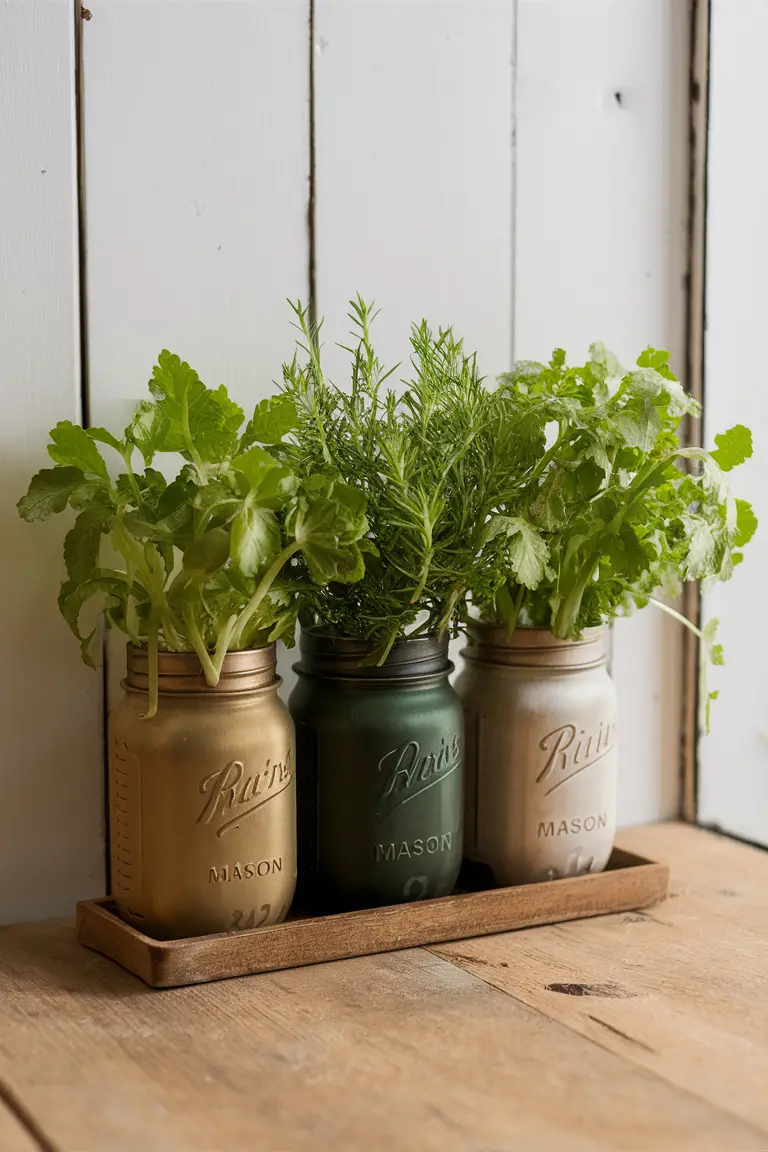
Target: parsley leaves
[(611, 513), (205, 559)]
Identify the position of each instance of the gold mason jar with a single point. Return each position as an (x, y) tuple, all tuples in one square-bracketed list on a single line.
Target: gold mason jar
[(541, 758), (202, 797)]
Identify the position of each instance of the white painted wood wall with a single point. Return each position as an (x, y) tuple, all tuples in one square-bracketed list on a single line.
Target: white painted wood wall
[(472, 164), (733, 776), (51, 840)]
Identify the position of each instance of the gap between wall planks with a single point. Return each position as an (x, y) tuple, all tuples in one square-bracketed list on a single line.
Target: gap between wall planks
[(51, 842), (197, 197), (698, 112), (313, 1058), (600, 227)]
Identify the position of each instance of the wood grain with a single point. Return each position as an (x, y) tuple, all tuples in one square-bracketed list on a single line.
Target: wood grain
[(632, 882), (683, 985), (401, 1051), (14, 1137)]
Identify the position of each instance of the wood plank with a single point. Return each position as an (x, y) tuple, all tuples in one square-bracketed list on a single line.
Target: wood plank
[(414, 114), (396, 1051), (600, 235), (51, 844), (197, 186), (736, 798), (679, 989), (414, 174), (631, 883), (14, 1137)]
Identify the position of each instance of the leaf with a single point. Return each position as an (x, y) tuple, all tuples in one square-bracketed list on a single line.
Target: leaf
[(255, 540), (145, 530), (733, 447), (602, 359), (746, 523), (701, 547), (708, 710), (197, 416), (637, 427), (217, 499), (82, 543), (354, 523), (208, 553), (254, 465), (551, 507), (528, 552), (148, 430), (105, 437), (73, 596), (324, 529), (49, 492), (595, 450), (73, 447), (277, 488), (284, 627), (710, 652), (648, 381), (272, 420)]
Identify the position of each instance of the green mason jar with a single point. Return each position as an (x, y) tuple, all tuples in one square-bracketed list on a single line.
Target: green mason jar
[(379, 754)]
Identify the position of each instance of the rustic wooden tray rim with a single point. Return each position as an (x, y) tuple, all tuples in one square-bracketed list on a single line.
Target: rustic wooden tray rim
[(306, 940)]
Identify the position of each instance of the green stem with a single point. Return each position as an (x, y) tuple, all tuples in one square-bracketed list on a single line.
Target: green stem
[(509, 608), (233, 634), (664, 608), (548, 456), (153, 675), (222, 642), (196, 458), (563, 623), (148, 574), (157, 570), (193, 631)]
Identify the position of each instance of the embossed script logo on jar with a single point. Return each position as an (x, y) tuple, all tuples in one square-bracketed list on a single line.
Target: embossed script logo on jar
[(234, 795), (408, 773), (569, 754)]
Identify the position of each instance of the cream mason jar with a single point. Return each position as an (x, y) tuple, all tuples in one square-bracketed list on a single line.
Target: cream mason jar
[(541, 756), (202, 797)]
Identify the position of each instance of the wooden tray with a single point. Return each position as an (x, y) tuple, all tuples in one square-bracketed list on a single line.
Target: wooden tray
[(629, 882)]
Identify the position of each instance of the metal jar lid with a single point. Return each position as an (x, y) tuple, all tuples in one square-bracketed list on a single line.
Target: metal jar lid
[(534, 647), (325, 653), (182, 673)]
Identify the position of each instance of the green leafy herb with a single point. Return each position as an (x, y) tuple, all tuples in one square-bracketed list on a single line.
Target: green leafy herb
[(417, 460), (204, 557), (600, 513)]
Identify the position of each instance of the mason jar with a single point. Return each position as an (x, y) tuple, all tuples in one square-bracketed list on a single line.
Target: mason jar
[(202, 797), (379, 755), (541, 761)]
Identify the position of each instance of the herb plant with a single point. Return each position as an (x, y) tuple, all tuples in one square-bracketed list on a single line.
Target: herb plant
[(202, 563), (601, 514), (419, 458)]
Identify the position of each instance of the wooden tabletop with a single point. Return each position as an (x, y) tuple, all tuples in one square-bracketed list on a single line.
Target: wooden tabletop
[(636, 1031)]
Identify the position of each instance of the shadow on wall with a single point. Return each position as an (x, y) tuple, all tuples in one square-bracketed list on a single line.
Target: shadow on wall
[(51, 745)]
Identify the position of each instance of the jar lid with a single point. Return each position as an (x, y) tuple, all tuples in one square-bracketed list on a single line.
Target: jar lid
[(182, 672), (534, 647), (326, 653)]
